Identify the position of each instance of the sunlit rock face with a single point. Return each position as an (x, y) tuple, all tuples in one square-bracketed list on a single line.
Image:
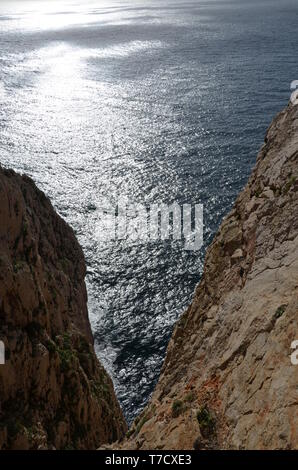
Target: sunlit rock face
[(228, 381), (53, 391)]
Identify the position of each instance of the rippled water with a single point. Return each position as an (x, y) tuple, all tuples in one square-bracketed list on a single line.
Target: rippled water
[(159, 101)]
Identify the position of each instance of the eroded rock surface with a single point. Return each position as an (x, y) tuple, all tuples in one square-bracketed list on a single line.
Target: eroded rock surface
[(53, 391), (227, 381)]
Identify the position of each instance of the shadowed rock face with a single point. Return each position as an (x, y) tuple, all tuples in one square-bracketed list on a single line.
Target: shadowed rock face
[(53, 391), (227, 381)]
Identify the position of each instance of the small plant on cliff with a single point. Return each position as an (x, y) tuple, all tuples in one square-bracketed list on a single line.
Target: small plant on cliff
[(101, 391), (182, 321), (141, 420), (280, 311), (206, 421), (141, 423), (66, 354), (289, 184), (66, 357), (130, 433), (136, 430), (18, 266), (51, 346), (190, 397), (177, 408)]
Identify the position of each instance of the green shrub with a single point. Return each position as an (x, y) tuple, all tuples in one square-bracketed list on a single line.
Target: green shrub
[(289, 184), (190, 397), (206, 421), (51, 346), (177, 408), (141, 423), (130, 433), (280, 311), (66, 354)]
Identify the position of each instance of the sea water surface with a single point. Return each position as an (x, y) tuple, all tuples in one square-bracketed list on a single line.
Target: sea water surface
[(160, 101)]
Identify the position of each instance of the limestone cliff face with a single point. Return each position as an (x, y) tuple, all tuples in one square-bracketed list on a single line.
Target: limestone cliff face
[(53, 391), (227, 381)]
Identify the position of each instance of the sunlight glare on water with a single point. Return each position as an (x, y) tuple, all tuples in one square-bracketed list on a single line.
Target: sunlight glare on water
[(51, 15)]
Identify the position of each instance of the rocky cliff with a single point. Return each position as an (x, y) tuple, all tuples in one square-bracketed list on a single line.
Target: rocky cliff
[(53, 391), (227, 381)]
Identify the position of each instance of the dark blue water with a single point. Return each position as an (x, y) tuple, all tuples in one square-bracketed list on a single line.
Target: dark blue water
[(159, 101)]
